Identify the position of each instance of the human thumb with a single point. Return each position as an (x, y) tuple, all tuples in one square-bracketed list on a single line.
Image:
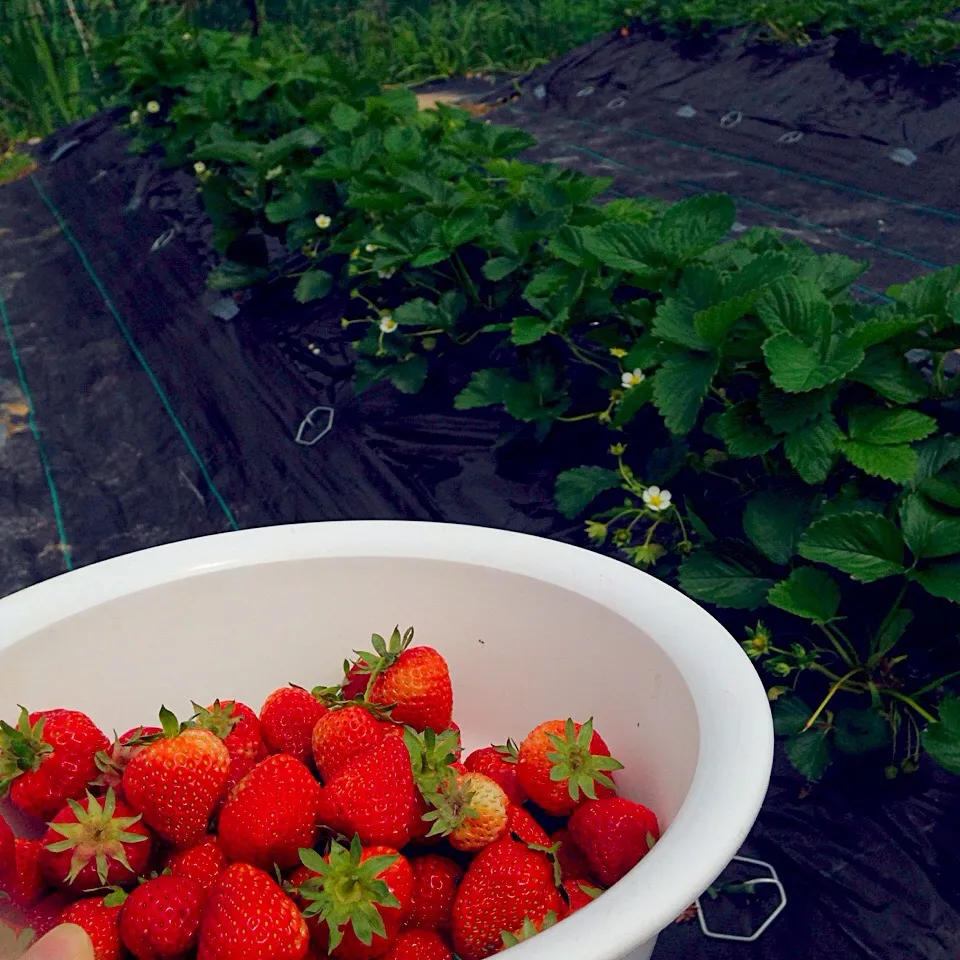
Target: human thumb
[(66, 942)]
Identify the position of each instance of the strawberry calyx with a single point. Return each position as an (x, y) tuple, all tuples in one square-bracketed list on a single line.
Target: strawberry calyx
[(551, 852), (572, 761), (348, 890), (383, 656), (98, 835), (452, 805), (111, 765), (528, 930), (219, 719), (431, 756), (170, 726), (509, 751), (22, 749)]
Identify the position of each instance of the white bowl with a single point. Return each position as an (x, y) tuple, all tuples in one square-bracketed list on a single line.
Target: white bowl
[(532, 629)]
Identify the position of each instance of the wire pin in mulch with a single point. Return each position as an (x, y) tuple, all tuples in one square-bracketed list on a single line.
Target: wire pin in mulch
[(585, 92), (686, 112), (163, 239), (64, 149), (748, 887), (617, 103), (792, 136), (304, 436), (540, 91), (904, 156), (731, 119)]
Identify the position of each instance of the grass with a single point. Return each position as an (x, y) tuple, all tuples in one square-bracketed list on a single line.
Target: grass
[(13, 166)]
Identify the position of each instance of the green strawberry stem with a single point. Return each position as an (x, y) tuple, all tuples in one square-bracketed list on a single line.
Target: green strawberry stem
[(348, 891), (572, 761)]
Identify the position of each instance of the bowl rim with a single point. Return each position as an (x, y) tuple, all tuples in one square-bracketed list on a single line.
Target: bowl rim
[(736, 731)]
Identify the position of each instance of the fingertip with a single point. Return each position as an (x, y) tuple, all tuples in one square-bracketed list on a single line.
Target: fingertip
[(66, 942)]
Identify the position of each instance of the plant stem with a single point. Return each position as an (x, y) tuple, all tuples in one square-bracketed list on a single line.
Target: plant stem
[(844, 656), (584, 357), (581, 416), (939, 682), (910, 702), (890, 613), (830, 694)]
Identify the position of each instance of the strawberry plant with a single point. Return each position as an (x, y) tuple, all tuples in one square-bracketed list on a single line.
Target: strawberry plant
[(813, 470)]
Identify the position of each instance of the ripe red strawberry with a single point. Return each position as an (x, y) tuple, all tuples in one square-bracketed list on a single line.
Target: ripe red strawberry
[(419, 945), (470, 811), (563, 763), (112, 763), (578, 893), (500, 764), (248, 917), (102, 924), (374, 795), (614, 835), (270, 814), (573, 864), (435, 880), (414, 680), (8, 853), (44, 915), (360, 897), (177, 782), (239, 728), (90, 845), (505, 884), (26, 886), (203, 863), (48, 759), (343, 733), (161, 917), (287, 719), (520, 823)]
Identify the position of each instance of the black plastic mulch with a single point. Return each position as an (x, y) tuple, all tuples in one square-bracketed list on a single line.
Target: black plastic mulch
[(131, 415), (851, 152)]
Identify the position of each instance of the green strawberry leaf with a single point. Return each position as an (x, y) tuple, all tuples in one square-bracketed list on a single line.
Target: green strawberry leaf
[(860, 731), (798, 368), (680, 386), (876, 425), (790, 714), (797, 307), (486, 388), (941, 580), (891, 630), (942, 739), (721, 581), (809, 593), (313, 285), (743, 432), (812, 449), (787, 412), (528, 329), (774, 521), (691, 227), (809, 753), (867, 546), (231, 275), (897, 463), (576, 489), (885, 370), (928, 533)]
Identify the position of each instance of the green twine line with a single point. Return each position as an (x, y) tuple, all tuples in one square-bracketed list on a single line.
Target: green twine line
[(128, 336), (34, 429)]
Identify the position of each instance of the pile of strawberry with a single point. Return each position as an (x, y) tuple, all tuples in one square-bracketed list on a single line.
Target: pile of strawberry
[(339, 821)]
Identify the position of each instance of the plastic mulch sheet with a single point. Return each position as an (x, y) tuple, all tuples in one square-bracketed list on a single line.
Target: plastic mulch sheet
[(137, 408)]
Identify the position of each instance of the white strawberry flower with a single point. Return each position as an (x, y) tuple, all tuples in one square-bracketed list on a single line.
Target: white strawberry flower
[(187, 37), (371, 248), (199, 168), (153, 107), (323, 221), (387, 273), (134, 117), (387, 323), (657, 499), (632, 378), (274, 173)]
